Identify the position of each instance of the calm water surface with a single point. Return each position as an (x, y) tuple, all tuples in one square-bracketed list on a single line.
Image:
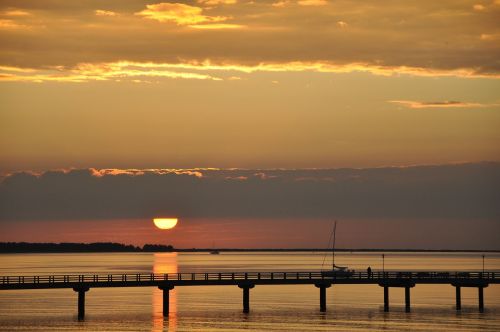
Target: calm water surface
[(273, 308)]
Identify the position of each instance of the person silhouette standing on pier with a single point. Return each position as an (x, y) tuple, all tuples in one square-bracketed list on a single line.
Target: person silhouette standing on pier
[(369, 270)]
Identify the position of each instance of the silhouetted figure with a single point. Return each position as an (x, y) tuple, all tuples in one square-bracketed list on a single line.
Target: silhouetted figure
[(369, 270)]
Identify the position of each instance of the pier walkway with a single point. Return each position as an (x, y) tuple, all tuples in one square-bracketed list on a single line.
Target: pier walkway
[(248, 280)]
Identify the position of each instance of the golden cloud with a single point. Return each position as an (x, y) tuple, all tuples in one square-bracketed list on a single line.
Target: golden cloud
[(217, 26), (10, 24), (280, 4), (196, 172), (15, 12), (342, 24), (438, 104), (379, 41), (312, 2), (85, 72), (207, 70), (100, 12), (217, 2), (178, 13)]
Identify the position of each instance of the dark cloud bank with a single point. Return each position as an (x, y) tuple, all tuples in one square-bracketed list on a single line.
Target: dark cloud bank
[(466, 191)]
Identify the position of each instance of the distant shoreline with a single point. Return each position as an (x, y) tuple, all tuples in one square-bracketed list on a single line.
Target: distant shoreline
[(107, 247)]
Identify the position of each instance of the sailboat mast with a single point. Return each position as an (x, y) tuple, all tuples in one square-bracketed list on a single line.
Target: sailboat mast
[(333, 249)]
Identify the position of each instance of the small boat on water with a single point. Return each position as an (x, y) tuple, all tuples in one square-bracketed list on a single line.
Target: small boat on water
[(337, 271), (214, 251)]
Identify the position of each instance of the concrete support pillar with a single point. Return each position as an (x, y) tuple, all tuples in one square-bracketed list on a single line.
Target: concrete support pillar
[(246, 299), (166, 299), (407, 299), (246, 296), (166, 302), (481, 299), (386, 298), (458, 298), (81, 301), (322, 295), (322, 298)]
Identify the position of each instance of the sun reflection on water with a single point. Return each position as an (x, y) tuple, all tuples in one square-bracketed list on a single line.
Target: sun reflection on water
[(164, 263)]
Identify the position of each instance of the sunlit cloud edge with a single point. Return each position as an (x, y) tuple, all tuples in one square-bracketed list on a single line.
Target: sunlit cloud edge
[(207, 70)]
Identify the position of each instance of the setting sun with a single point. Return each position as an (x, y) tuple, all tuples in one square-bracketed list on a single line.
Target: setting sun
[(165, 223)]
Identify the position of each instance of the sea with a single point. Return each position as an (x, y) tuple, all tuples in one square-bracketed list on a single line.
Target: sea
[(272, 308)]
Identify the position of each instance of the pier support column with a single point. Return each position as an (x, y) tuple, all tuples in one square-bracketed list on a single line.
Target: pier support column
[(386, 299), (458, 298), (246, 299), (81, 301), (166, 299), (246, 296), (481, 299), (407, 299), (322, 296), (322, 299)]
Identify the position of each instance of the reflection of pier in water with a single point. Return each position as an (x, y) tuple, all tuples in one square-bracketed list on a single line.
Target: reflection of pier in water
[(164, 263)]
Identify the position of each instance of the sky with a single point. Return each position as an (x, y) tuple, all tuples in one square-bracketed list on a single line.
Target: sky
[(250, 119)]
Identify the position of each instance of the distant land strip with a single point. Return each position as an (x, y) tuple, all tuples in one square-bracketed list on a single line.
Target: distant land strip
[(25, 247)]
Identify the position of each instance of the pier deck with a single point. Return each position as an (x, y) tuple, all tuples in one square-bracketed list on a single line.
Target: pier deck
[(247, 280)]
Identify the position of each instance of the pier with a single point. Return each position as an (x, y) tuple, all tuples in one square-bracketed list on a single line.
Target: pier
[(82, 284)]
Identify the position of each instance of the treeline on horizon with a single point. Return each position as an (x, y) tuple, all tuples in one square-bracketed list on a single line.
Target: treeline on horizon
[(26, 247)]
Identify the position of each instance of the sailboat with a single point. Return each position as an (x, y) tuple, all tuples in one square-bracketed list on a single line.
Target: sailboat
[(214, 251), (337, 271)]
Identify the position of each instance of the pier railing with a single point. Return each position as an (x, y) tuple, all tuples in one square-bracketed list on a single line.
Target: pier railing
[(250, 276)]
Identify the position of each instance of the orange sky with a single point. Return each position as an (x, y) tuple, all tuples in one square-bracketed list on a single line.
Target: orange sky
[(262, 233), (252, 85), (141, 84)]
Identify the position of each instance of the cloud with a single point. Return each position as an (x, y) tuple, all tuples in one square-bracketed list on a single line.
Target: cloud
[(379, 38), (15, 12), (439, 104), (11, 24), (490, 37), (86, 72), (312, 2), (206, 70), (280, 4), (217, 26), (178, 13), (478, 7), (217, 2), (447, 191), (341, 24), (100, 12)]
